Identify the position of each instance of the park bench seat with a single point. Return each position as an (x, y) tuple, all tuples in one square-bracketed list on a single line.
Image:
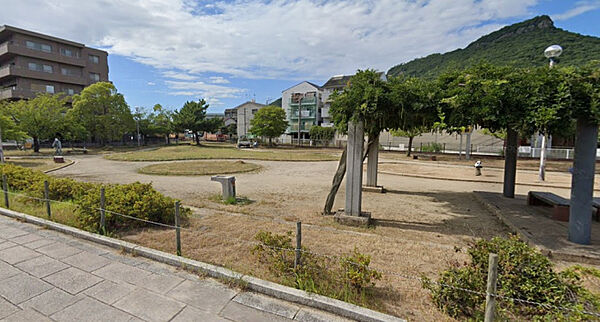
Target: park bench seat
[(559, 204)]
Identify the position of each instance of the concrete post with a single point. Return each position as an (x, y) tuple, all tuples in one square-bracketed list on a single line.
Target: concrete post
[(582, 183), (228, 185), (468, 146), (354, 168), (373, 158), (510, 163), (492, 281)]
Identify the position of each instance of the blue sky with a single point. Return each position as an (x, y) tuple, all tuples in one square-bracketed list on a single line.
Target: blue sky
[(171, 51)]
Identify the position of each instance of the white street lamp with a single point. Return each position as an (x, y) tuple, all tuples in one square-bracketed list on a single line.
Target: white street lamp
[(551, 53)]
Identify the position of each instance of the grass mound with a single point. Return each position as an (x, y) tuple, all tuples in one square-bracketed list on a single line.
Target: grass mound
[(199, 168)]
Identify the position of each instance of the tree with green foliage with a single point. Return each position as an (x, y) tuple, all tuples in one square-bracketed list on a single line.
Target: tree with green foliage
[(270, 122), (322, 133), (42, 118), (8, 126), (161, 122), (192, 117), (103, 112), (410, 134)]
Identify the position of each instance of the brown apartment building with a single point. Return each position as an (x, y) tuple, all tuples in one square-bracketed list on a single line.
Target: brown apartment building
[(32, 63)]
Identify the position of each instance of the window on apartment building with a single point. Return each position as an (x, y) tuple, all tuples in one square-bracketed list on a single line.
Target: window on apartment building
[(254, 110), (69, 71), (40, 67), (38, 46), (42, 88), (70, 91), (95, 77), (69, 52), (94, 59)]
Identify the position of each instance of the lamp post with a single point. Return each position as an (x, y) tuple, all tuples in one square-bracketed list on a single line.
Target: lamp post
[(551, 53)]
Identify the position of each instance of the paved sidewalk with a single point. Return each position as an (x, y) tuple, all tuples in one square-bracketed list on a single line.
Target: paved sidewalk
[(49, 276)]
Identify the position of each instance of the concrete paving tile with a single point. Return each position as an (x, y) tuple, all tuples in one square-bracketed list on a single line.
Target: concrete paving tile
[(41, 266), (117, 272), (22, 287), (86, 261), (26, 315), (26, 238), (310, 315), (149, 306), (8, 232), (161, 283), (7, 308), (73, 280), (191, 314), (59, 250), (7, 270), (90, 310), (125, 259), (7, 244), (207, 295), (90, 247), (238, 312), (50, 302), (17, 254), (109, 292), (40, 243), (267, 304)]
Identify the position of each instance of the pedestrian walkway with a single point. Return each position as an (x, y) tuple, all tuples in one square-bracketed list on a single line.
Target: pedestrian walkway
[(49, 276)]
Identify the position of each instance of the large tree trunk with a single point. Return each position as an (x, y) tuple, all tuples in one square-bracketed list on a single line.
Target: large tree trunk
[(270, 141), (197, 138), (337, 179), (36, 144), (410, 142)]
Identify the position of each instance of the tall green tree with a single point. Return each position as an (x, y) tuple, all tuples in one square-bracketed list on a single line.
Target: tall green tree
[(161, 121), (192, 117), (270, 122), (103, 112), (42, 117)]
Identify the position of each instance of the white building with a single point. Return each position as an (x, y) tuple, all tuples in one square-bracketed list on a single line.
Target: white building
[(308, 97), (245, 113)]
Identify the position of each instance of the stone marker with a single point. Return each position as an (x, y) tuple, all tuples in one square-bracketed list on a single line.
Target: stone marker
[(228, 184)]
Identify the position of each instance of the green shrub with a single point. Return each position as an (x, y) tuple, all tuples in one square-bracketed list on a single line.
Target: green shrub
[(351, 280), (432, 147), (523, 273)]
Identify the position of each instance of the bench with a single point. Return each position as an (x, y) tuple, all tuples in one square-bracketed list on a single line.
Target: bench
[(559, 204)]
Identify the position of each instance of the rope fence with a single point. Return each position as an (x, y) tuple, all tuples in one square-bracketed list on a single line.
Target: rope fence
[(297, 251)]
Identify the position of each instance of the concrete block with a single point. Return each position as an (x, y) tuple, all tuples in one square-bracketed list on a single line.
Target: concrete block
[(109, 292), (24, 239), (118, 272), (227, 184), (26, 315), (206, 295), (359, 221), (41, 266), (7, 244), (6, 308), (59, 250), (309, 315), (238, 312), (160, 283), (375, 189), (11, 232), (149, 306), (22, 287), (73, 280), (89, 309), (267, 304), (39, 243), (50, 302), (86, 261), (7, 271), (17, 254), (191, 314)]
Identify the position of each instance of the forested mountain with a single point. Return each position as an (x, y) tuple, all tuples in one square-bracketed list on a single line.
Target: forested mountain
[(521, 45)]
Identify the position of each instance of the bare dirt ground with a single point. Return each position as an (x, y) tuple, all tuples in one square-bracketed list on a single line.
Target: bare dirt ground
[(422, 225)]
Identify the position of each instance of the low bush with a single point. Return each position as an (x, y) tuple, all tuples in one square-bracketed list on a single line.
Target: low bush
[(432, 147), (135, 200), (349, 279), (523, 273)]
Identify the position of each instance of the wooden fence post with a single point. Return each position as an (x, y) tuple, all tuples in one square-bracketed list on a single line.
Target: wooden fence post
[(177, 229), (47, 199), (5, 189), (490, 297), (102, 211), (298, 244)]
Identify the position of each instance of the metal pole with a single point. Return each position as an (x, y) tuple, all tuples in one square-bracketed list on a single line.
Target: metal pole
[(490, 297), (298, 243), (102, 211), (47, 199), (5, 188), (460, 148), (177, 229), (542, 171), (468, 146), (510, 163), (1, 147)]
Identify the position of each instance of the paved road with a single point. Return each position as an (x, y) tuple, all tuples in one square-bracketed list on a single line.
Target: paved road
[(49, 276)]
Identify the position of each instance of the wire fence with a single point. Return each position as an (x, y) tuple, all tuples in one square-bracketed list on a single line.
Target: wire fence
[(296, 251)]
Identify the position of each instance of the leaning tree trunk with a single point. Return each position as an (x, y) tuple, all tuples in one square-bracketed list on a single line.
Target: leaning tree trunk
[(410, 142), (338, 177)]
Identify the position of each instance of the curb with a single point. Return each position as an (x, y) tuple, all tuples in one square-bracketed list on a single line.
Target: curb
[(475, 181), (71, 162), (525, 236), (286, 293)]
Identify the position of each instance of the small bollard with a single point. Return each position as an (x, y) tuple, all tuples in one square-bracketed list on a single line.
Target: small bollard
[(478, 167), (490, 297), (5, 189), (177, 229), (228, 185), (102, 212), (298, 244), (47, 199)]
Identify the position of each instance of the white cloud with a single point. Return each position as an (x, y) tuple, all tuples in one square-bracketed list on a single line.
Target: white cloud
[(218, 80), (151, 83), (580, 8), (210, 92), (285, 39)]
